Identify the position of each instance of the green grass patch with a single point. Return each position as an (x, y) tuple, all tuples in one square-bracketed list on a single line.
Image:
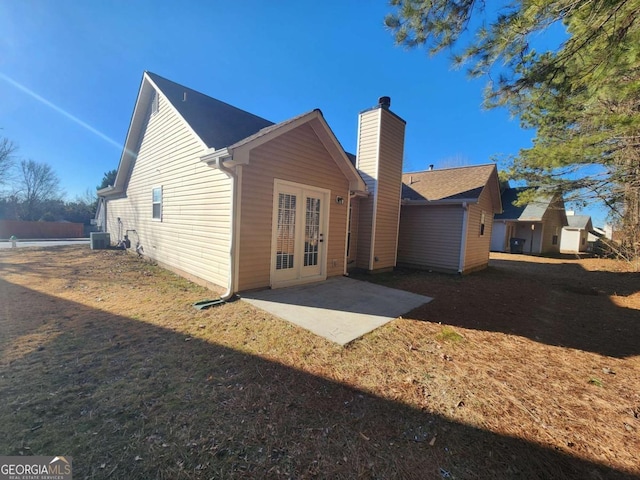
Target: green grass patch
[(448, 334), (596, 381)]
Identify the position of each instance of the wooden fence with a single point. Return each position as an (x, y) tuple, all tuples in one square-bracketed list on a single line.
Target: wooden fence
[(25, 230)]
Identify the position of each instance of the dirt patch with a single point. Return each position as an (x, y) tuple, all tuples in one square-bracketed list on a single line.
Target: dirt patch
[(530, 369)]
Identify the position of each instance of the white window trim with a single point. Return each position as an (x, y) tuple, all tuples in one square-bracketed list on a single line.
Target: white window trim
[(153, 203)]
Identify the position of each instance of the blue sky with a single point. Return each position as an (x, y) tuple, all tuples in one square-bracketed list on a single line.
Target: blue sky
[(70, 72)]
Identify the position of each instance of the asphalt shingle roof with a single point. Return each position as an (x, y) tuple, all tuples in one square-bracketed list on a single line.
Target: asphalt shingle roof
[(218, 124), (446, 184), (578, 221), (532, 212)]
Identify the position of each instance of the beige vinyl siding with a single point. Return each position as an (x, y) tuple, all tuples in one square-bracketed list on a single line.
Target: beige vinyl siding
[(531, 237), (365, 221), (477, 246), (353, 249), (430, 236), (368, 147), (552, 222), (499, 240), (380, 152), (193, 235), (571, 241), (296, 156), (388, 191), (367, 164)]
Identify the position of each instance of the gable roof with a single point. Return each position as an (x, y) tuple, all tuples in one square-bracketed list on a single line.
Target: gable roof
[(217, 123), (238, 153), (218, 126), (578, 221), (532, 212), (264, 132), (449, 185)]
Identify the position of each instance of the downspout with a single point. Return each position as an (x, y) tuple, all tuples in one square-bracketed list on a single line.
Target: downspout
[(105, 218), (463, 240), (232, 236)]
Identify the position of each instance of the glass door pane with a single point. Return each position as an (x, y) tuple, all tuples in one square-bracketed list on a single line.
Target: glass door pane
[(312, 231), (286, 231), (299, 222)]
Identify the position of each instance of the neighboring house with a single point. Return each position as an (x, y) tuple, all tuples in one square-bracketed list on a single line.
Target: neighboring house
[(226, 198), (606, 232), (447, 216), (575, 235), (599, 237), (534, 228)]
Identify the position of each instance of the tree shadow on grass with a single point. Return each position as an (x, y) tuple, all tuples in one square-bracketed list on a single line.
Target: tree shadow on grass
[(127, 399), (559, 304)]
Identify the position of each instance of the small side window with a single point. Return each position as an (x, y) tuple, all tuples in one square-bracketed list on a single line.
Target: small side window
[(482, 218), (157, 203)]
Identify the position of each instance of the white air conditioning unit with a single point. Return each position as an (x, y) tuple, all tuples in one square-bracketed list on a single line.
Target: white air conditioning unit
[(100, 240)]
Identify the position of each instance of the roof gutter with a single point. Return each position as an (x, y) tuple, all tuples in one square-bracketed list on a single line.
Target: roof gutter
[(108, 191), (359, 194), (444, 201), (212, 156)]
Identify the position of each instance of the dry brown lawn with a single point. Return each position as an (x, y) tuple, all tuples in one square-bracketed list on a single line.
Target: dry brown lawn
[(529, 370)]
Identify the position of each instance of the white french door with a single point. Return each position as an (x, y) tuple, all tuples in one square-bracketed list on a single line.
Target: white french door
[(298, 251)]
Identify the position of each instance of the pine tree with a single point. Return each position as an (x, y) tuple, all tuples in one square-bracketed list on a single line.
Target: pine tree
[(583, 98)]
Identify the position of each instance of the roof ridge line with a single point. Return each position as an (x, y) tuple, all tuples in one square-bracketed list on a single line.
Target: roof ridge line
[(453, 168)]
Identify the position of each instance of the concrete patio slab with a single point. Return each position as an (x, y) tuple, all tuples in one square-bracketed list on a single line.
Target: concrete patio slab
[(340, 309)]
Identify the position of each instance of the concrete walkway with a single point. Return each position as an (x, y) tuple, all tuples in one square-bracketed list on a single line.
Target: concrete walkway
[(339, 309)]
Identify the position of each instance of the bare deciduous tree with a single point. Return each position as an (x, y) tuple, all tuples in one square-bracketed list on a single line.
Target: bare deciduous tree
[(37, 184), (7, 148)]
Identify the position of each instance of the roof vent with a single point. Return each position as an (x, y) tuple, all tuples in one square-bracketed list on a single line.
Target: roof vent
[(430, 167), (184, 96), (384, 102)]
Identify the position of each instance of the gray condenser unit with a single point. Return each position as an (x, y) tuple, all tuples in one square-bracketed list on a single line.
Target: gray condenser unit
[(100, 240)]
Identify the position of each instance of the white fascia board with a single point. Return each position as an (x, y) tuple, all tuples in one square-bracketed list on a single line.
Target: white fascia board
[(331, 143), (360, 193), (107, 191), (269, 133), (212, 155), (129, 151), (238, 153)]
